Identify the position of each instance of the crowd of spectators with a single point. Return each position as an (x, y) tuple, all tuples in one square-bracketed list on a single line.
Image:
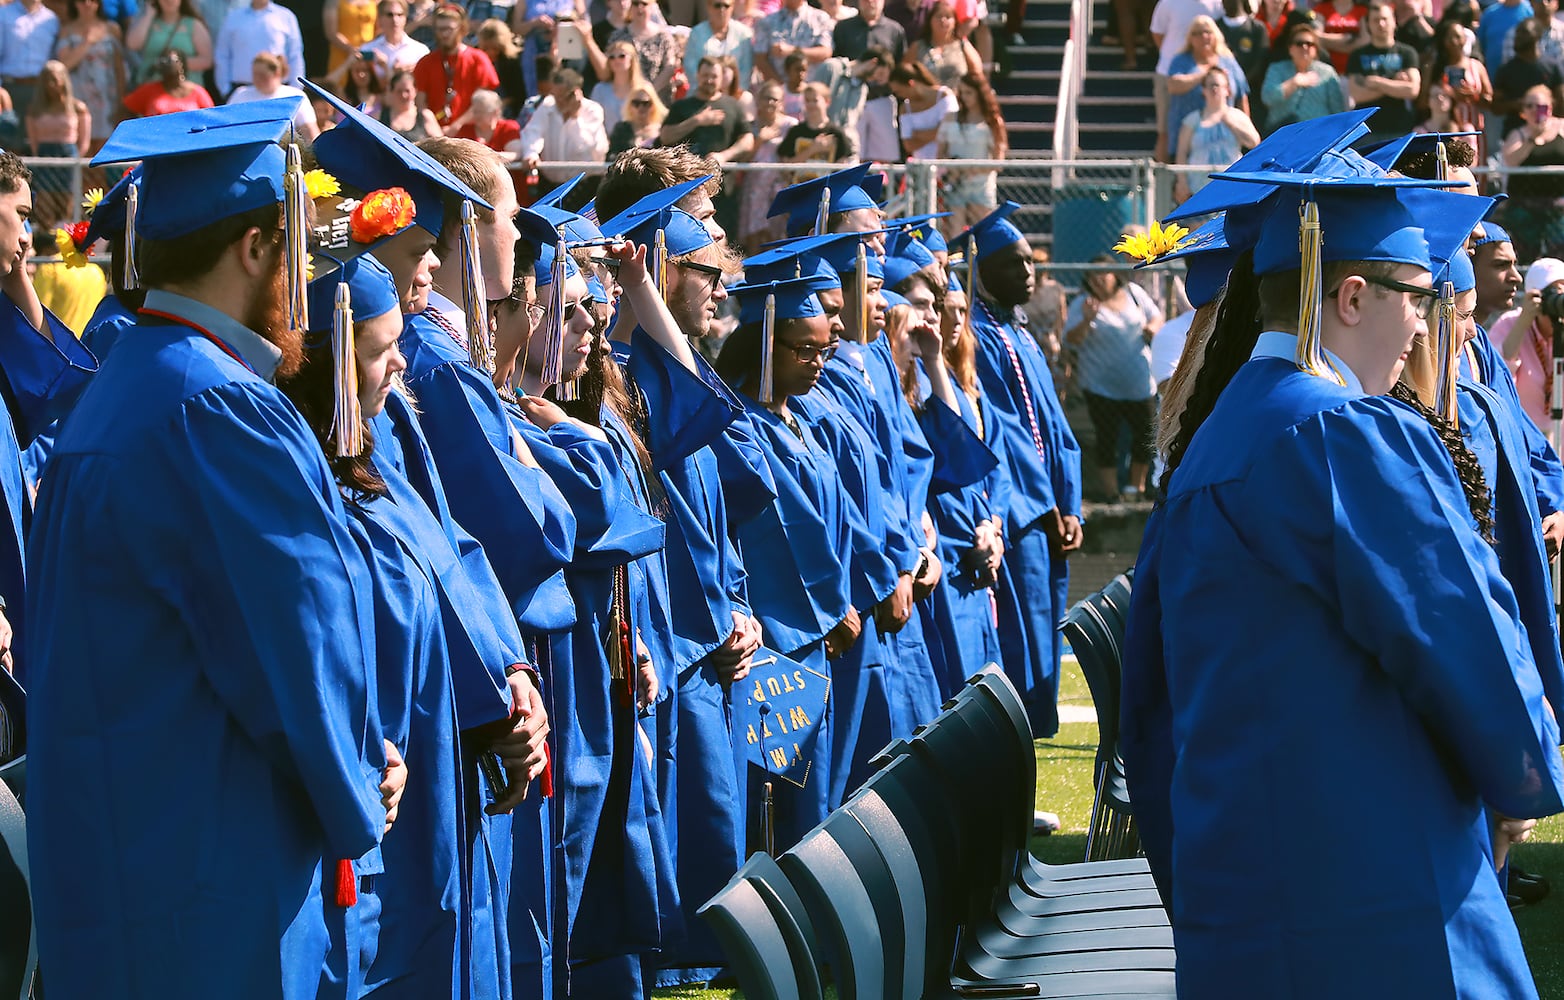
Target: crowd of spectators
[(541, 81)]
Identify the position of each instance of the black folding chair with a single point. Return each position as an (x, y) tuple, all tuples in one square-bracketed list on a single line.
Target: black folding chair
[(761, 924), (18, 940)]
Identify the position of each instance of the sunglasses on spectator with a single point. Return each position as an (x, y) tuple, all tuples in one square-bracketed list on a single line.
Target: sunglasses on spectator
[(641, 102), (620, 55), (1304, 43)]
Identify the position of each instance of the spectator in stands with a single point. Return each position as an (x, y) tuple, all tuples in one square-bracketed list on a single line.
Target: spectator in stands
[(268, 70), (1498, 20), (1204, 50), (168, 93), (247, 31), (1273, 16), (975, 132), (1300, 87), (1532, 215), (771, 124), (721, 35), (1170, 23), (350, 25), (925, 105), (657, 49), (816, 138), (1415, 25), (1550, 43), (395, 47), (448, 76), (545, 65), (1441, 110), (1215, 135), (794, 27), (420, 22), (489, 125), (871, 29), (1110, 327), (735, 90), (1046, 309), (616, 14), (625, 77), (1247, 40), (496, 41), (1462, 74), (27, 33), (641, 124), (1384, 74), (58, 125), (708, 121), (1524, 336), (795, 73), (1339, 29), (1525, 70), (361, 82), (169, 26), (947, 56), (401, 112), (89, 47), (879, 136), (566, 127), (535, 23), (71, 293)]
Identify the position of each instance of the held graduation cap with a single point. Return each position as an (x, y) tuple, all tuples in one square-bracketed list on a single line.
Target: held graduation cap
[(766, 302), (808, 204), (199, 167)]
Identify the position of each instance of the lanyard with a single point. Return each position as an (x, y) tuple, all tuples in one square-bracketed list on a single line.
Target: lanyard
[(203, 331)]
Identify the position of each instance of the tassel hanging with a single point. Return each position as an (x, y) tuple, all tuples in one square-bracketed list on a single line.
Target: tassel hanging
[(768, 344), (296, 240), (480, 349), (863, 291), (1441, 162), (1448, 353), (660, 263), (1311, 293), (346, 419), (554, 320), (130, 277), (823, 213), (347, 884)]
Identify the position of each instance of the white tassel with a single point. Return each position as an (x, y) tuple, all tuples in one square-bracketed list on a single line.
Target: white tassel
[(480, 349), (768, 344)]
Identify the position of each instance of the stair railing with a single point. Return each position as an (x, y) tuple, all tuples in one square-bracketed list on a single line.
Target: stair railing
[(1072, 79)]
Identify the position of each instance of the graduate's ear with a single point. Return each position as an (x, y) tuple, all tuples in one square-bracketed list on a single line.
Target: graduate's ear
[(257, 250), (1349, 300)]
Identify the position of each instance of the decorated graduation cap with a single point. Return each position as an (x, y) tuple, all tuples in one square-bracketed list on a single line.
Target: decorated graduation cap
[(1207, 253), (107, 215), (780, 714), (919, 228), (572, 226), (991, 233), (904, 257), (1293, 148), (815, 200), (764, 302)]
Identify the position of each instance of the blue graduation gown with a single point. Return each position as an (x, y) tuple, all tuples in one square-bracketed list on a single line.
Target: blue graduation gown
[(704, 805), (1045, 474), (1316, 631), (203, 689), (1491, 371), (455, 866), (103, 328)]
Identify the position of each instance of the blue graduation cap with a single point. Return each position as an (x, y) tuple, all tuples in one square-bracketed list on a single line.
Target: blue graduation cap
[(1388, 152), (1448, 220), (1491, 233), (993, 232), (918, 227), (543, 270), (641, 220), (556, 197), (199, 167), (575, 228), (844, 256), (1208, 256), (842, 191), (765, 302), (355, 289), (792, 258), (1295, 148), (904, 257), (595, 290), (779, 715), (107, 218), (893, 299)]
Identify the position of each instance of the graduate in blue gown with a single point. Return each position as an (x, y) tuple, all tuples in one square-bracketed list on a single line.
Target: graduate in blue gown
[(805, 537), (220, 692), (1315, 571), (1042, 459)]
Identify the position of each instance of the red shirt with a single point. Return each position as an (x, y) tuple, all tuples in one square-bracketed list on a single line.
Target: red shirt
[(151, 99), (506, 132), (447, 82), (1336, 23)]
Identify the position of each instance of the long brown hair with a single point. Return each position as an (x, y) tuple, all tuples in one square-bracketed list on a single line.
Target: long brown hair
[(987, 106), (312, 390)]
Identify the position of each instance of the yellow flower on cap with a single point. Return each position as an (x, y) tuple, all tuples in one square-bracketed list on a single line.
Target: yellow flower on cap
[(90, 200), (66, 248), (1155, 243), (319, 184)]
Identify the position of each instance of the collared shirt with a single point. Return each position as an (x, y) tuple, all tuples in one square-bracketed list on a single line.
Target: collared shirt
[(248, 32), (739, 43), (806, 28), (401, 55), (253, 349), (26, 39), (549, 136), (1275, 344)]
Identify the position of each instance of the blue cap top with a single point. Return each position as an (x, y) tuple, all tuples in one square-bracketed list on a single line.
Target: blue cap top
[(790, 258), (893, 299), (366, 154), (556, 197), (648, 207), (994, 231), (1448, 220), (1458, 271), (371, 292), (842, 257), (575, 228), (199, 167), (108, 219), (918, 226), (850, 189), (1386, 152), (795, 298), (1492, 233), (953, 283), (682, 232), (904, 257), (543, 267)]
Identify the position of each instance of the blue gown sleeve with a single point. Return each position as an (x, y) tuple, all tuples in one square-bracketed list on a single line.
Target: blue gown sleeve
[(1368, 515), (845, 385), (960, 456), (611, 528), (43, 376), (747, 480), (685, 410), (270, 603)]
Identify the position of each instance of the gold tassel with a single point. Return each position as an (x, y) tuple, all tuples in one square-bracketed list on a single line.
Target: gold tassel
[(823, 213), (768, 343), (129, 274), (863, 291), (480, 351), (347, 420), (554, 334), (660, 263), (1448, 355), (1311, 356), (295, 208)]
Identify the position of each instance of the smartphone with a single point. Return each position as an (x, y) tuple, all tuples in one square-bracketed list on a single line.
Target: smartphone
[(489, 764), (1455, 77), (567, 38)]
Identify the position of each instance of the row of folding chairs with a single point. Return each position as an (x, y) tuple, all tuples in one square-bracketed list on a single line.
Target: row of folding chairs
[(922, 885), (18, 945)]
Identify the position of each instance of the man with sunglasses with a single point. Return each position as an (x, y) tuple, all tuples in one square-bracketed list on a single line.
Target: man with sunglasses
[(720, 35)]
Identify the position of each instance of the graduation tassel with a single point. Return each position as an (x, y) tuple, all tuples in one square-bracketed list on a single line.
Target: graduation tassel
[(128, 273), (1311, 356), (660, 263), (768, 343), (1441, 162), (480, 352), (347, 884), (823, 213), (863, 292), (295, 208), (1449, 356), (347, 419), (554, 335)]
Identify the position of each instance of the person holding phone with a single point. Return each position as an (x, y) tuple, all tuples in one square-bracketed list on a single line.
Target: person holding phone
[(1462, 74), (1533, 215)]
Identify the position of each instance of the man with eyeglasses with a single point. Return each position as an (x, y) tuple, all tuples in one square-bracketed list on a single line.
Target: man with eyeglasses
[(396, 48), (720, 35), (447, 77)]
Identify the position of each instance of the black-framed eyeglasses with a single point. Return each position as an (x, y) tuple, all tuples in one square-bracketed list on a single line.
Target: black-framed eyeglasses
[(1424, 299), (807, 353), (714, 273)]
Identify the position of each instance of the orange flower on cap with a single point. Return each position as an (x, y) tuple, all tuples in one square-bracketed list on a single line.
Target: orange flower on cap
[(381, 213)]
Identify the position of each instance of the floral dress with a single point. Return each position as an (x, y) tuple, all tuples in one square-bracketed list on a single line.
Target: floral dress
[(95, 81)]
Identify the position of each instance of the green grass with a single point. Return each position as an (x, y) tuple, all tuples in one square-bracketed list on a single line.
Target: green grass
[(1064, 786)]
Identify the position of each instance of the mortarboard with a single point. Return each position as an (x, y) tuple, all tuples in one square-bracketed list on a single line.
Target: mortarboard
[(575, 228), (845, 257), (666, 231), (543, 266), (765, 302), (1492, 233), (904, 257), (993, 232), (893, 299), (918, 227), (794, 257), (556, 197), (1389, 152), (1448, 220), (356, 289), (842, 191), (1208, 255), (114, 215), (781, 715)]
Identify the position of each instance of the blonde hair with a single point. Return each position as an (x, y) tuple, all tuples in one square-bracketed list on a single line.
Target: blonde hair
[(1207, 21), (637, 78), (659, 110), (274, 61), (498, 32)]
